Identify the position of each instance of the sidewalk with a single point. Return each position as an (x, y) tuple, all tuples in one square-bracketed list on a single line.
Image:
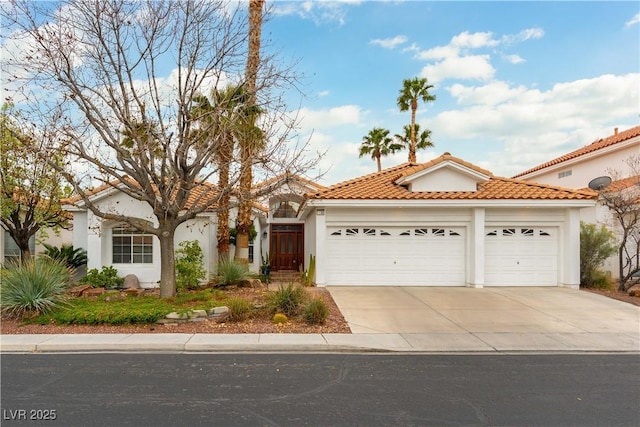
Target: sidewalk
[(419, 343)]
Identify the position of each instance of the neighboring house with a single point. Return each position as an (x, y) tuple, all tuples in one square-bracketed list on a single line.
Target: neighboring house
[(10, 252), (446, 223), (577, 168)]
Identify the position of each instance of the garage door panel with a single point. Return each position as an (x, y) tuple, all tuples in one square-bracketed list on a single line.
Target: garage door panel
[(517, 256), (396, 256)]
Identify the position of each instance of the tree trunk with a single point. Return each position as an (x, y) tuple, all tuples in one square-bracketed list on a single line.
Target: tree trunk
[(248, 144), (223, 213), (412, 145), (379, 163), (167, 264)]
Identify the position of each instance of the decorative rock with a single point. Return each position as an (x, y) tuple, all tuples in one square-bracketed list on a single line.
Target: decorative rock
[(131, 281), (198, 313), (175, 316), (219, 310), (197, 319), (634, 291), (93, 292), (77, 291)]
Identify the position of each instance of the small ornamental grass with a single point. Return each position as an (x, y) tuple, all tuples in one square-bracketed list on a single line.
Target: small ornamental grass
[(316, 311), (34, 287), (239, 308), (231, 272), (287, 299)]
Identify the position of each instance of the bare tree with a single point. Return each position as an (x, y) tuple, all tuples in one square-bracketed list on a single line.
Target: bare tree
[(622, 197), (100, 68)]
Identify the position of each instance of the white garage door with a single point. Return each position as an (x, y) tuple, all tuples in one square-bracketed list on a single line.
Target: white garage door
[(520, 256), (396, 256)]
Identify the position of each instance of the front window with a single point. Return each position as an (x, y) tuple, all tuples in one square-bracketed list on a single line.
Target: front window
[(131, 246), (286, 209)]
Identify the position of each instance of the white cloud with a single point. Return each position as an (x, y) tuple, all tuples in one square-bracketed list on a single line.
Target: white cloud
[(320, 12), (337, 116), (524, 35), (474, 40), (477, 67), (389, 43), (323, 93), (514, 59), (536, 125), (633, 21)]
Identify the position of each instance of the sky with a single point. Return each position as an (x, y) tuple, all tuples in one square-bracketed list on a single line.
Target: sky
[(516, 83)]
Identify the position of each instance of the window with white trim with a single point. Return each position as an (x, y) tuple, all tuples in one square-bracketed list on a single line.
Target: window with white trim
[(131, 246), (564, 174)]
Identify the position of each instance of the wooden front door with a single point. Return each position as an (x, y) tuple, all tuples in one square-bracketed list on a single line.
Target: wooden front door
[(287, 247)]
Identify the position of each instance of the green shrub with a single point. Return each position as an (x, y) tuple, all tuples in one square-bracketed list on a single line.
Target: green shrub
[(34, 287), (239, 308), (130, 310), (106, 278), (287, 299), (601, 280), (231, 271), (189, 265), (316, 311), (73, 258), (596, 245)]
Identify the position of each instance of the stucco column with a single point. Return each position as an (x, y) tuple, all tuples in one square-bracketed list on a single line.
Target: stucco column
[(321, 246), (94, 242), (476, 251), (570, 260)]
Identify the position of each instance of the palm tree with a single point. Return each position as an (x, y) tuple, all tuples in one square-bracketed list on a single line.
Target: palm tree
[(222, 120), (377, 143), (412, 91), (423, 139), (250, 140)]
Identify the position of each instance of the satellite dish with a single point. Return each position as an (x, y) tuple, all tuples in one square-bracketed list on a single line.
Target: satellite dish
[(599, 183)]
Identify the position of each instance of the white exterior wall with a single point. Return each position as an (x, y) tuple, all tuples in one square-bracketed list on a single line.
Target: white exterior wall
[(445, 179), (474, 220), (587, 167)]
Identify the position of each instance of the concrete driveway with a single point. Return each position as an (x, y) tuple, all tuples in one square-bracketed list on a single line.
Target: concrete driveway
[(556, 318)]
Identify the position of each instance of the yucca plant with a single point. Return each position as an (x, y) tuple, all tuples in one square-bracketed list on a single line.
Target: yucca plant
[(232, 272), (73, 258), (316, 311), (34, 287)]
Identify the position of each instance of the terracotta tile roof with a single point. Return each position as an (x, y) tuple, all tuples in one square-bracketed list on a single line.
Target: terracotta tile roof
[(623, 184), (288, 176), (594, 146), (382, 186)]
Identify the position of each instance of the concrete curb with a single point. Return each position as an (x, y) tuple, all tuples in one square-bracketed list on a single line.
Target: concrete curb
[(405, 343)]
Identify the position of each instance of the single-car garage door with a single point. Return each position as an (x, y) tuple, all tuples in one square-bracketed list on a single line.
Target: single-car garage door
[(517, 256), (396, 256)]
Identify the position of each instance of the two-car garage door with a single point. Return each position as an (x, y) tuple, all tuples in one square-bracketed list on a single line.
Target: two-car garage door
[(396, 255), (422, 256)]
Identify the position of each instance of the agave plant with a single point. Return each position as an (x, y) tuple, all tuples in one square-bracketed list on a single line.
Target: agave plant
[(72, 258)]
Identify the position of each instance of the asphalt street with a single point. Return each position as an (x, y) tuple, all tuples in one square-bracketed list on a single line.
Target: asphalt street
[(243, 389)]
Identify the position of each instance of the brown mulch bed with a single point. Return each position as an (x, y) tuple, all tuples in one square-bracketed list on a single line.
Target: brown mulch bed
[(615, 294), (335, 323)]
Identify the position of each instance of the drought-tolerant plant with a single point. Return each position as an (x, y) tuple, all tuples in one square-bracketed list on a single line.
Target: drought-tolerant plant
[(280, 318), (231, 272), (73, 258), (315, 312), (287, 299), (597, 243), (189, 265), (105, 278), (306, 276), (239, 308), (33, 287)]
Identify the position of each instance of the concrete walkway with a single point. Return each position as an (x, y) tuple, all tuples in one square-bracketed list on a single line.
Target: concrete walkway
[(408, 319)]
